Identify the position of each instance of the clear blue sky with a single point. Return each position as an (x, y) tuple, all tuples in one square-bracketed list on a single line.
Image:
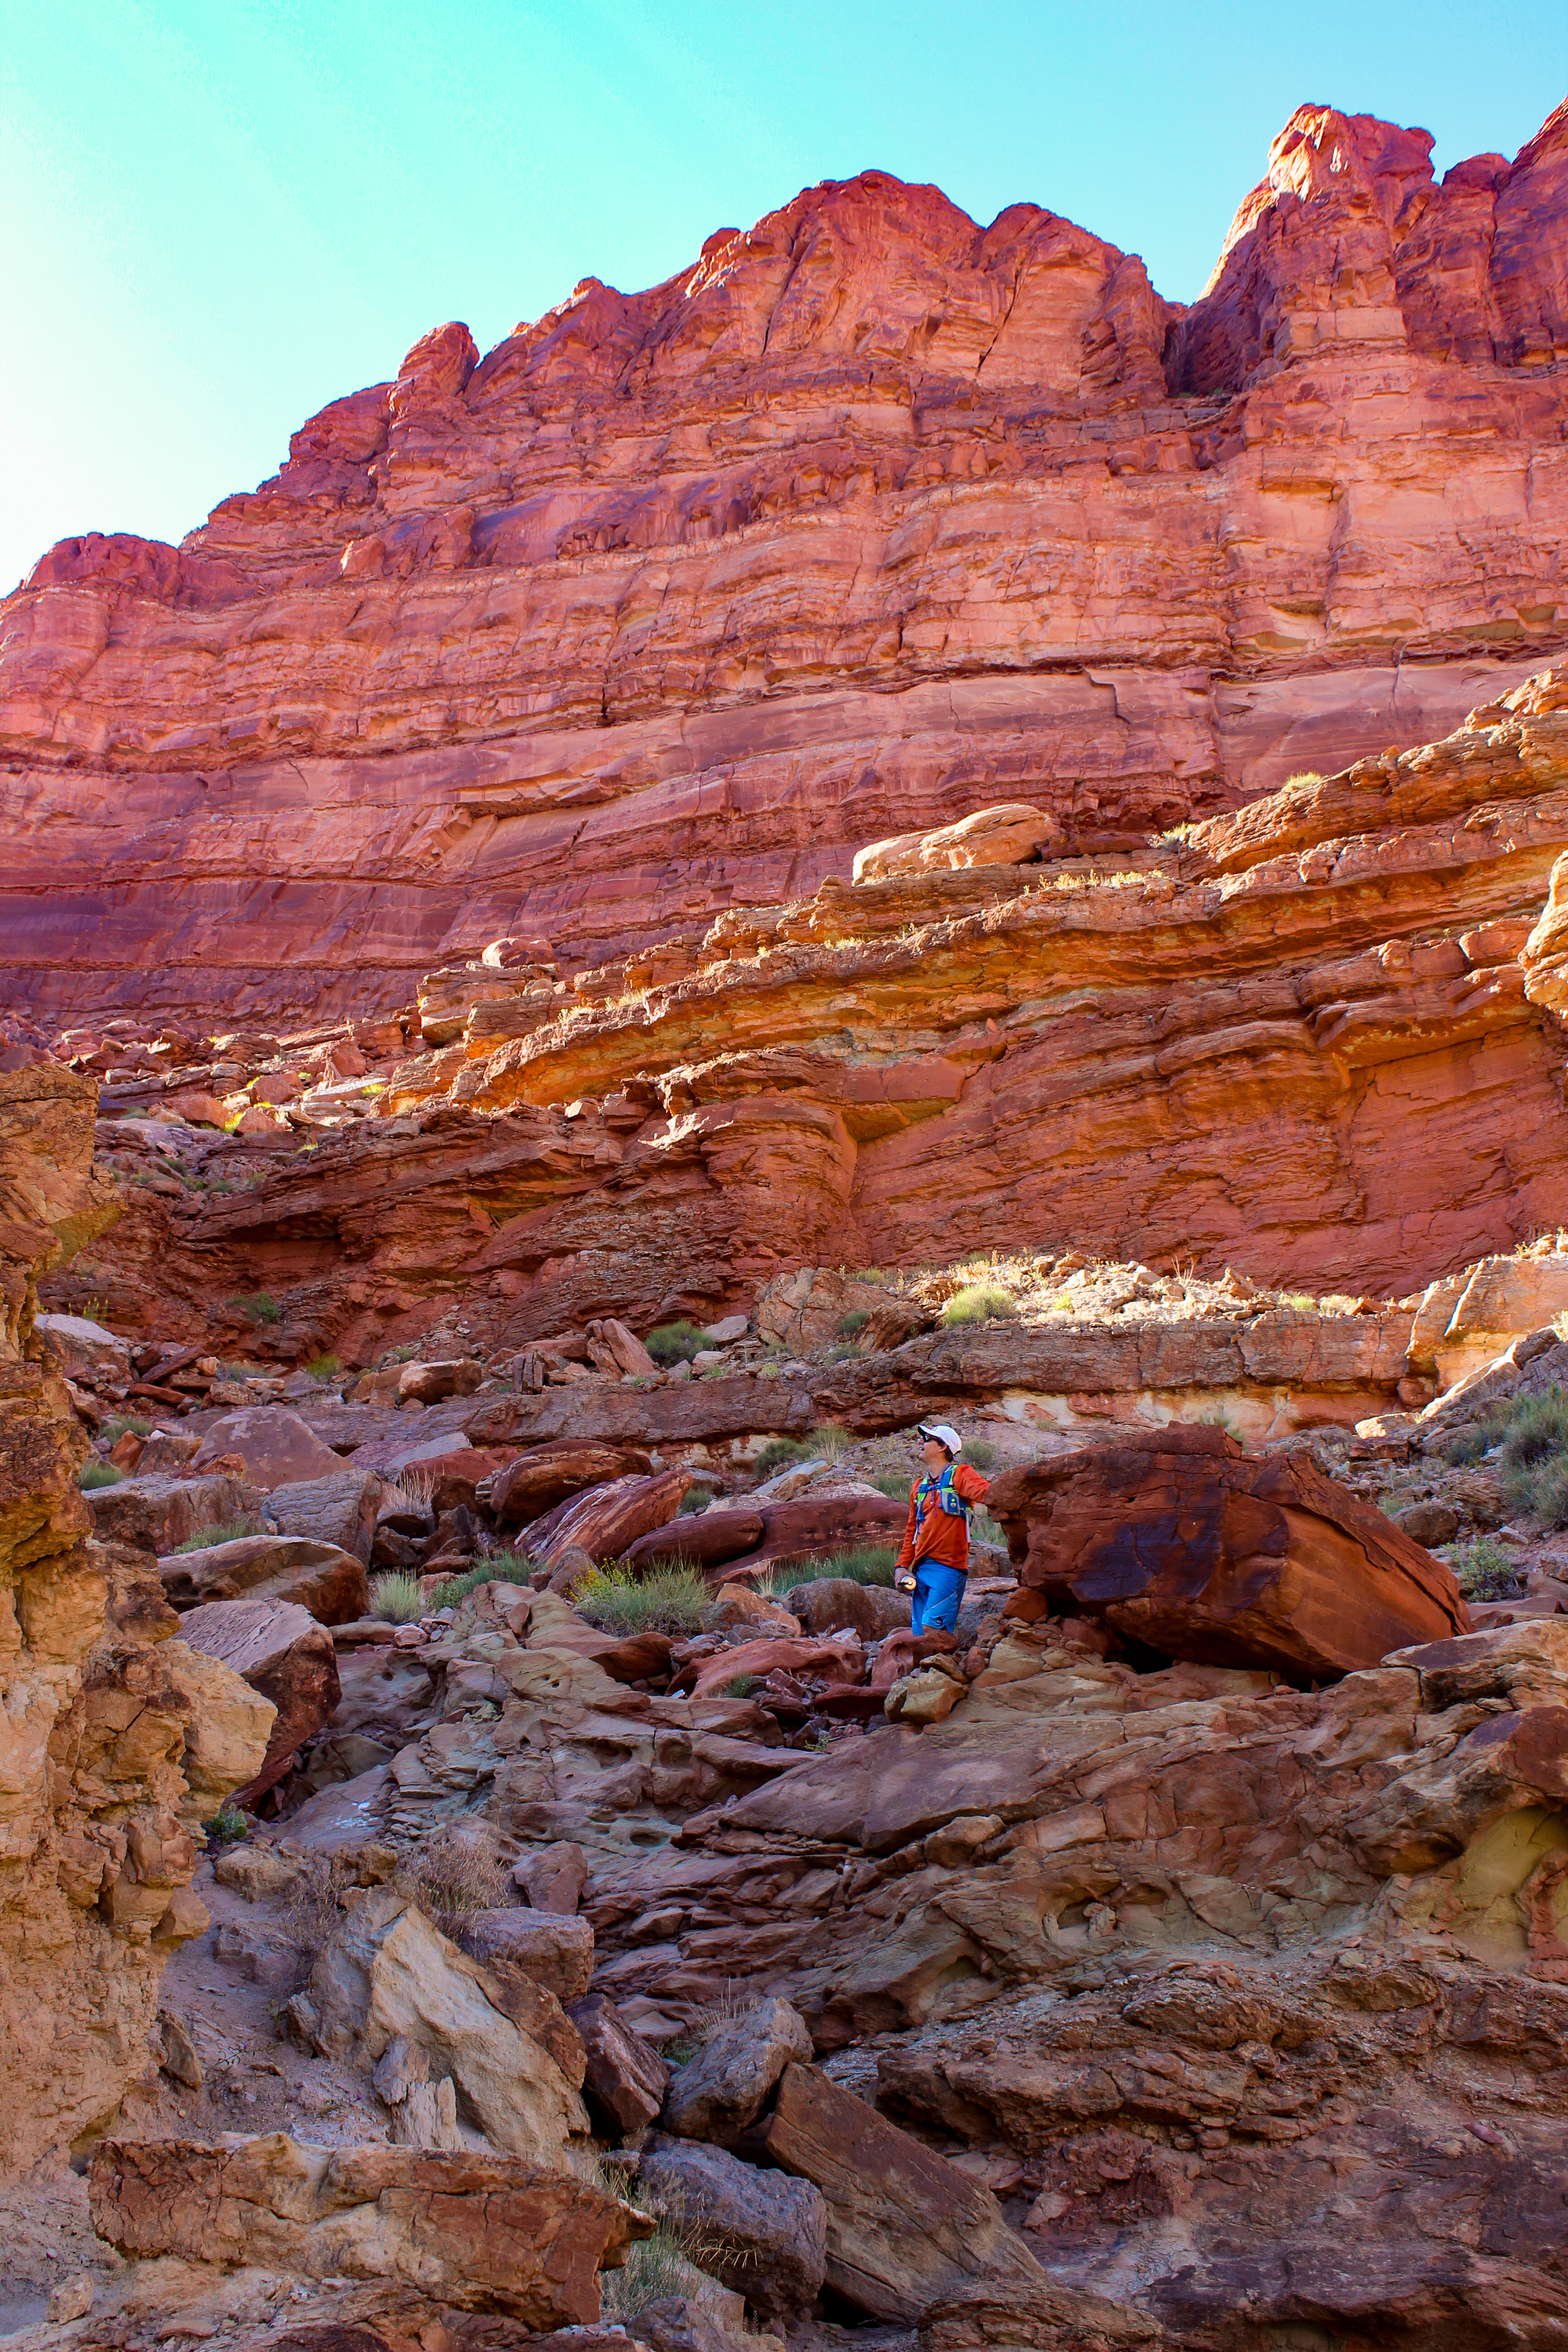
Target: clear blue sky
[(217, 214)]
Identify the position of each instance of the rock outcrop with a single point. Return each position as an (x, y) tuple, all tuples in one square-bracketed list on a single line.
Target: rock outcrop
[(1179, 1541), (107, 1768)]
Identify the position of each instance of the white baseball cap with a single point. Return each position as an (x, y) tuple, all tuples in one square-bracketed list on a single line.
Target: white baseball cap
[(944, 1434)]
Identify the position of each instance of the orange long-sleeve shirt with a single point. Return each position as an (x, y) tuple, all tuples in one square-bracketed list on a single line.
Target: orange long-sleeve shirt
[(937, 1535)]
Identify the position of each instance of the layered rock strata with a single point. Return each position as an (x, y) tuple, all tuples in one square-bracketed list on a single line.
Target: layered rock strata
[(869, 517)]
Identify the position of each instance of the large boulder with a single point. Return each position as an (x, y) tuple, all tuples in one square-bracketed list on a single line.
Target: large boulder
[(625, 2078), (483, 2233), (549, 1475), (1012, 834), (605, 1521), (764, 2235), (555, 1951), (721, 2091), (515, 2057), (330, 1582), (704, 1540), (159, 1514), (280, 1651), (434, 1382), (230, 1729), (277, 1446), (1178, 1539), (904, 2227), (831, 1603), (340, 1508)]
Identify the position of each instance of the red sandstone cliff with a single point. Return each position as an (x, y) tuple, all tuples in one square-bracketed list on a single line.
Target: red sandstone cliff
[(870, 519)]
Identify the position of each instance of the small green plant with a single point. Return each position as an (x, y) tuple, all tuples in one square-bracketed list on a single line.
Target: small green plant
[(985, 1529), (228, 1827), (1217, 1418), (231, 1530), (859, 1563), (856, 1321), (257, 1307), (831, 1441), (670, 1598), (980, 1451), (457, 1588), (695, 1499), (98, 1474), (741, 1686), (395, 1597), (1484, 1570), (675, 1343), (978, 1302), (779, 1454), (118, 1424), (894, 1485), (1533, 1435), (324, 1367)]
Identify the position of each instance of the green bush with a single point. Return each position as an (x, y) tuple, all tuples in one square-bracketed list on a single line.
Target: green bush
[(395, 1597), (230, 1532), (324, 1367), (457, 1588), (741, 1686), (98, 1474), (856, 1321), (118, 1424), (978, 1303), (1533, 1435), (695, 1499), (259, 1307), (894, 1484), (779, 1454), (228, 1827), (675, 1343), (981, 1452), (861, 1563), (831, 1441), (1484, 1569), (670, 1598)]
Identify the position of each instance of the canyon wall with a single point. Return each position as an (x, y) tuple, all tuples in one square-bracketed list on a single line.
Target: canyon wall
[(868, 519)]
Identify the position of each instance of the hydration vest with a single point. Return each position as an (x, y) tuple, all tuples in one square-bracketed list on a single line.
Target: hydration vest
[(944, 1493)]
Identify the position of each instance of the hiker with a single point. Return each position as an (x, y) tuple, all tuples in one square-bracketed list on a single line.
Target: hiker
[(934, 1562)]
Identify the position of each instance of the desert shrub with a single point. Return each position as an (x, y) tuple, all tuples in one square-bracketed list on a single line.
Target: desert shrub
[(978, 1302), (259, 1307), (980, 1451), (831, 1441), (450, 1872), (695, 1499), (324, 1367), (1533, 1435), (741, 1686), (312, 1910), (894, 1484), (670, 1598), (675, 1343), (666, 2264), (118, 1424), (985, 1529), (861, 1563), (856, 1321), (395, 1597), (228, 1827), (230, 1531), (779, 1454), (1484, 1569), (457, 1588), (98, 1474)]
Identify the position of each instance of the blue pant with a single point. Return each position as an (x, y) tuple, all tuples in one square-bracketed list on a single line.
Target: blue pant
[(939, 1593)]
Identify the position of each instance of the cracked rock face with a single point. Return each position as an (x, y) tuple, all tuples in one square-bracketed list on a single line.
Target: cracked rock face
[(98, 1809)]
